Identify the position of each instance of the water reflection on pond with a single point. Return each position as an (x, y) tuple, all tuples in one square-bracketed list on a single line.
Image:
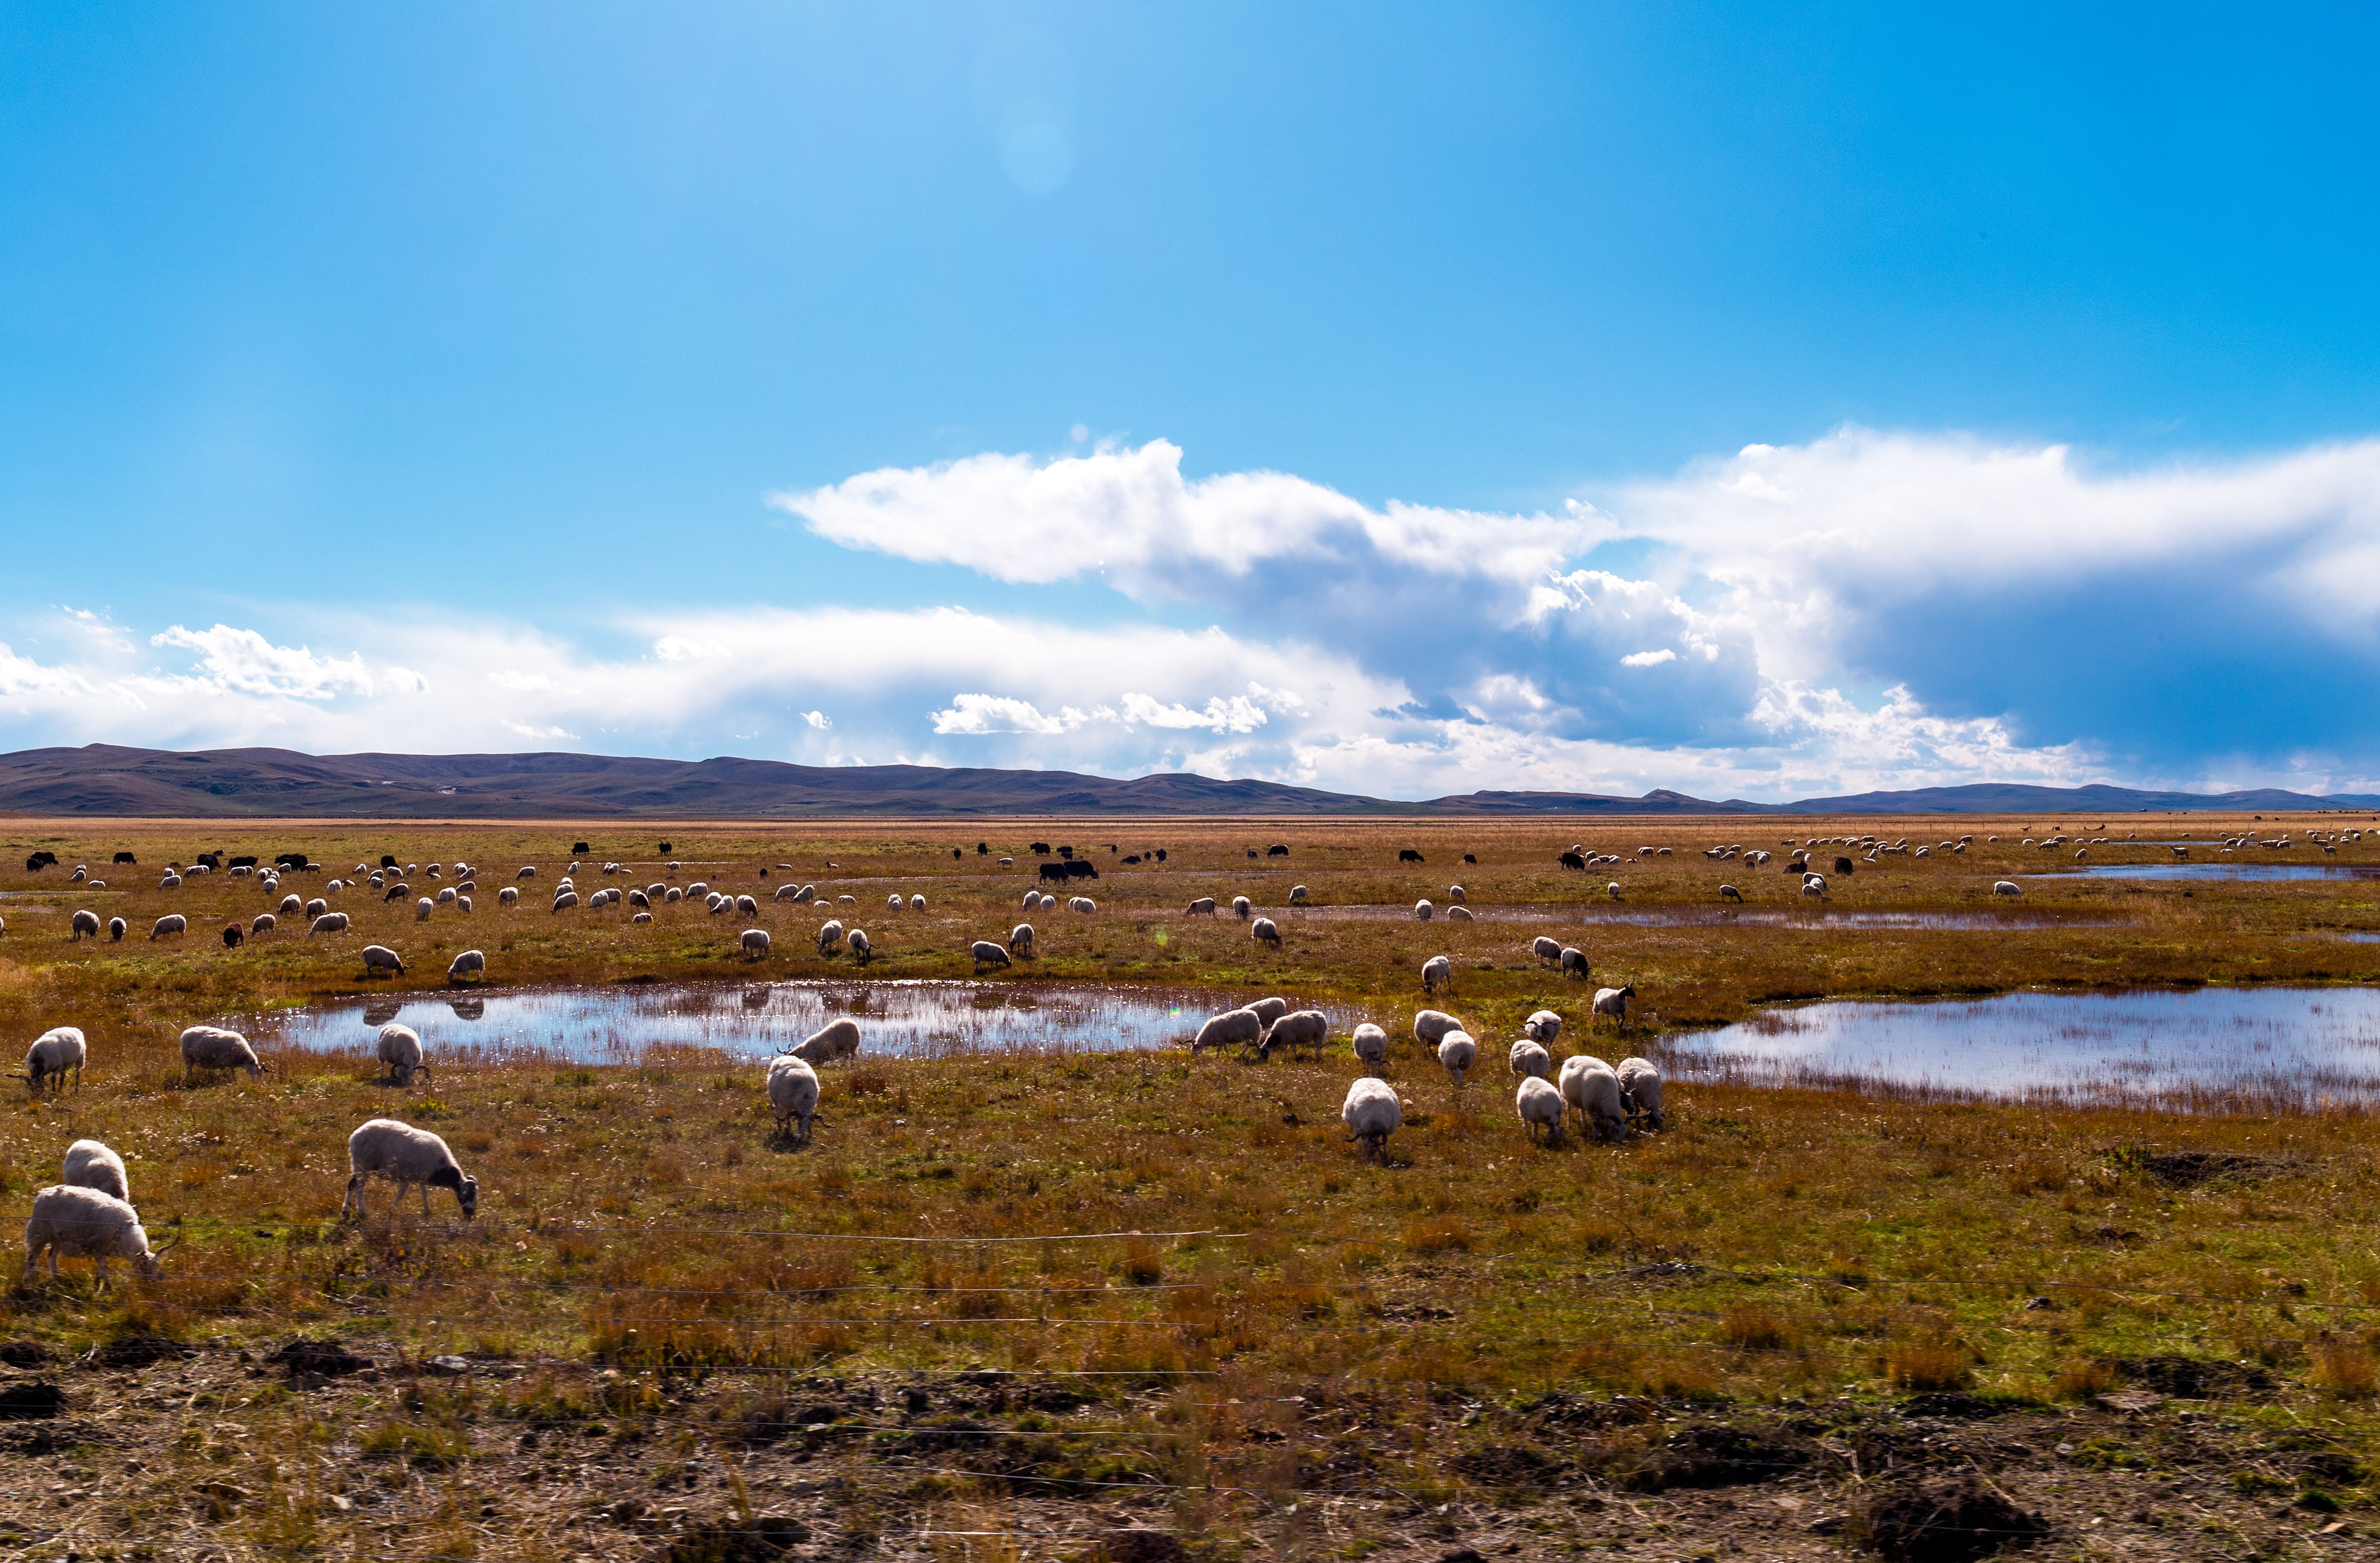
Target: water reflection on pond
[(614, 1025), (2197, 1050)]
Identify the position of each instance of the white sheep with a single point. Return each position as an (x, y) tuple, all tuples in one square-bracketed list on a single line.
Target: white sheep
[(52, 1054), (1614, 1002), (1544, 948), (755, 943), (987, 953), (671, 896), (1048, 903), (1544, 1027), (640, 917), (1424, 912), (527, 873), (1202, 907), (1814, 885), (1265, 931), (1429, 1025), (745, 905), (116, 929), (1458, 914), (895, 903), (508, 897), (860, 947), (470, 963), (2008, 888), (830, 935), (407, 1157), (84, 922), (77, 1223), (916, 903), (1640, 1090), (1308, 1029), (1530, 1058), (1613, 889), (1456, 1053), (1297, 895), (1590, 1085), (793, 1093), (1573, 962), (172, 922), (787, 893), (1083, 903), (1436, 973), (564, 899), (399, 1047), (1540, 1106), (380, 958), (213, 1047), (315, 907), (1730, 892), (90, 1164), (1269, 1009), (836, 1039), (1242, 907), (1371, 1045), (1371, 1113), (328, 922), (448, 896), (1020, 939), (421, 909), (1232, 1028), (291, 906)]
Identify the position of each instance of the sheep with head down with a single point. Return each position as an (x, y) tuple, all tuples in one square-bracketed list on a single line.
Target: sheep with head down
[(1306, 1029), (1528, 1058), (77, 1223), (1232, 1028), (218, 1050), (54, 1053), (988, 954), (1265, 931), (1640, 1090), (84, 922), (1456, 1053), (1592, 1087), (409, 1157), (1202, 907), (860, 948), (1436, 972), (1544, 948), (1371, 1045), (400, 1048), (793, 1095), (1545, 1027), (470, 963), (93, 1165), (836, 1039), (755, 943), (1020, 939), (1539, 1105), (1371, 1113)]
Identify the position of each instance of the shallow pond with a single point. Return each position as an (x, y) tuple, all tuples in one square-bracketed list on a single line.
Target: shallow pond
[(2195, 1050), (1722, 916), (2221, 867), (625, 1024)]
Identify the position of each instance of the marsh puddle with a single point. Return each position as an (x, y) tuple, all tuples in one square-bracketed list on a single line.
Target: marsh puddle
[(2221, 867), (1608, 914), (2223, 1050), (623, 1025)]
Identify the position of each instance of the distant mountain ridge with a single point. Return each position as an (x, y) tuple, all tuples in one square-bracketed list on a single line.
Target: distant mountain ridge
[(106, 779)]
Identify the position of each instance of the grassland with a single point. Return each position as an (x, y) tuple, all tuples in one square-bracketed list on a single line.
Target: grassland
[(673, 1327)]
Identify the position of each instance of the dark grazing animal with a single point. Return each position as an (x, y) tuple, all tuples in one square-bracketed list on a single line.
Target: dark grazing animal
[(244, 863), (231, 935), (1410, 856), (1277, 850), (1572, 860), (1842, 865), (1053, 873), (577, 849), (1040, 849)]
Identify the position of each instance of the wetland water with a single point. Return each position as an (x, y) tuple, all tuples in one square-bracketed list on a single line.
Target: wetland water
[(2220, 1050), (623, 1024), (1721, 916), (2217, 869)]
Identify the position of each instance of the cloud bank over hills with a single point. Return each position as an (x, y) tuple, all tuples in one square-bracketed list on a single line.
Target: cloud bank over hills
[(1864, 610)]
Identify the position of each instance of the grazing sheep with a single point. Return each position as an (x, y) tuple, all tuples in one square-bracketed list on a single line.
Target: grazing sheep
[(90, 1164), (77, 1223), (85, 921), (1429, 1025), (1573, 962), (1540, 1106), (1530, 1058), (1436, 973), (793, 1093), (407, 1156), (1814, 885), (314, 907), (830, 935), (527, 873), (860, 948), (1203, 905), (1297, 895), (213, 1047), (1265, 932), (1730, 892), (986, 953), (1454, 893), (642, 917), (1456, 1053), (172, 922), (1020, 939), (745, 905), (1458, 914), (787, 893), (463, 904), (1232, 1028), (421, 909), (1545, 1026), (565, 899), (1614, 1002), (917, 903), (1640, 1090), (836, 1039), (399, 1047), (1371, 1045), (1308, 1029), (1083, 903), (379, 959), (1242, 907), (52, 1054), (1590, 1085), (328, 922), (755, 943), (1372, 1114), (2008, 888), (116, 929), (291, 906), (470, 963), (448, 896), (1048, 903), (1613, 889), (508, 897), (1544, 948), (1424, 912)]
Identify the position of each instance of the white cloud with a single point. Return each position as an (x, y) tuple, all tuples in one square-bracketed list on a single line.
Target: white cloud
[(1648, 659), (243, 662), (817, 719)]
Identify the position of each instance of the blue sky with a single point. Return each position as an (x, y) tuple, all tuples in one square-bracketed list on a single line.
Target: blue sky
[(1400, 398)]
